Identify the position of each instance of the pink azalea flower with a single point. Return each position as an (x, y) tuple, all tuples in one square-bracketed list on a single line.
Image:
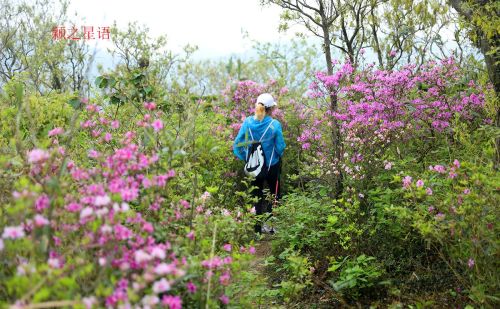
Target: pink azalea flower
[(148, 227), (224, 278), (37, 156), (185, 204), (190, 235), (40, 220), (42, 203), (173, 302), (102, 200), (407, 182), (227, 247), (420, 183), (89, 302), (205, 196), (388, 166), (456, 163), (108, 137), (471, 263), (224, 299), (157, 125), (159, 253), (466, 191), (115, 124), (93, 154), (161, 286), (54, 263), (86, 212), (428, 191), (191, 287), (164, 269), (13, 232), (73, 207), (56, 131), (149, 105), (440, 169), (141, 256), (251, 250), (149, 301)]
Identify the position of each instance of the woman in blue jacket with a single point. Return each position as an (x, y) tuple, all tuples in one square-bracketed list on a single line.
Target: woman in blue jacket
[(262, 127)]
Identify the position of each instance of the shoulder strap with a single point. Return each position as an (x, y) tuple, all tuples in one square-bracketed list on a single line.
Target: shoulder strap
[(251, 135), (266, 130)]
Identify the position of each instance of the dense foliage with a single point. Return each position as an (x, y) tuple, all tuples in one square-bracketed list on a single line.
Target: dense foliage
[(130, 196)]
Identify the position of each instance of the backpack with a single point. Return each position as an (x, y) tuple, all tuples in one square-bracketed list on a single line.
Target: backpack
[(256, 158)]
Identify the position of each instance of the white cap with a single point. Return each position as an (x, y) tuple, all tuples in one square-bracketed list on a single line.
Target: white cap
[(267, 100)]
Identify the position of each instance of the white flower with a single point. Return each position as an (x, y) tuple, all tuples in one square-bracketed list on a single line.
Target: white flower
[(88, 301), (54, 263), (101, 212), (141, 256), (150, 300), (164, 269), (161, 286), (125, 207), (13, 232), (106, 229), (86, 212), (102, 261), (102, 200), (158, 252)]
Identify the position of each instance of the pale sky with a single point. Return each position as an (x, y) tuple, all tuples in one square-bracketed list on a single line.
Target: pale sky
[(215, 26)]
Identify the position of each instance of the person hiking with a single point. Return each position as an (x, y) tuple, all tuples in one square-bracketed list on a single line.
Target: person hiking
[(261, 137)]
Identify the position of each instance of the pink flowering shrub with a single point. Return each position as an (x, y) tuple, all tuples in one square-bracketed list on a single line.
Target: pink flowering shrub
[(451, 208), (378, 110), (239, 101), (102, 227)]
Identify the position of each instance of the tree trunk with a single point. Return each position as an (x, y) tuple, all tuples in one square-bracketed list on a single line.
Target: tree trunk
[(492, 64), (335, 132)]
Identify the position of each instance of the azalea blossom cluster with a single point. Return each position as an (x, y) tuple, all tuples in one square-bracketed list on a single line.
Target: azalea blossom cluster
[(239, 101), (377, 108)]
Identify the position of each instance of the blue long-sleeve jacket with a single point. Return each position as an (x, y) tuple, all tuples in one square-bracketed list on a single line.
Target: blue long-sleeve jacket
[(272, 139)]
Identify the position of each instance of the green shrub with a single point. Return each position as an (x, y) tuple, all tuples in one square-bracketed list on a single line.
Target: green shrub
[(354, 275)]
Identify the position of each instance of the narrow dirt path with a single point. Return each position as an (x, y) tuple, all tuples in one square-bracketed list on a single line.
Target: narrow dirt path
[(263, 251)]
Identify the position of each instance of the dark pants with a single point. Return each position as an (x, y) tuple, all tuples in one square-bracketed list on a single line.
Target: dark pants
[(262, 206)]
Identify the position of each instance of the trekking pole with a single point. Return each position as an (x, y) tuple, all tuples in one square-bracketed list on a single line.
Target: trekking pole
[(277, 181)]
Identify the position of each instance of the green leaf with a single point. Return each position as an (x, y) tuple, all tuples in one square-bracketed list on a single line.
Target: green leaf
[(75, 103), (42, 295), (19, 92), (100, 81), (332, 220), (114, 99)]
